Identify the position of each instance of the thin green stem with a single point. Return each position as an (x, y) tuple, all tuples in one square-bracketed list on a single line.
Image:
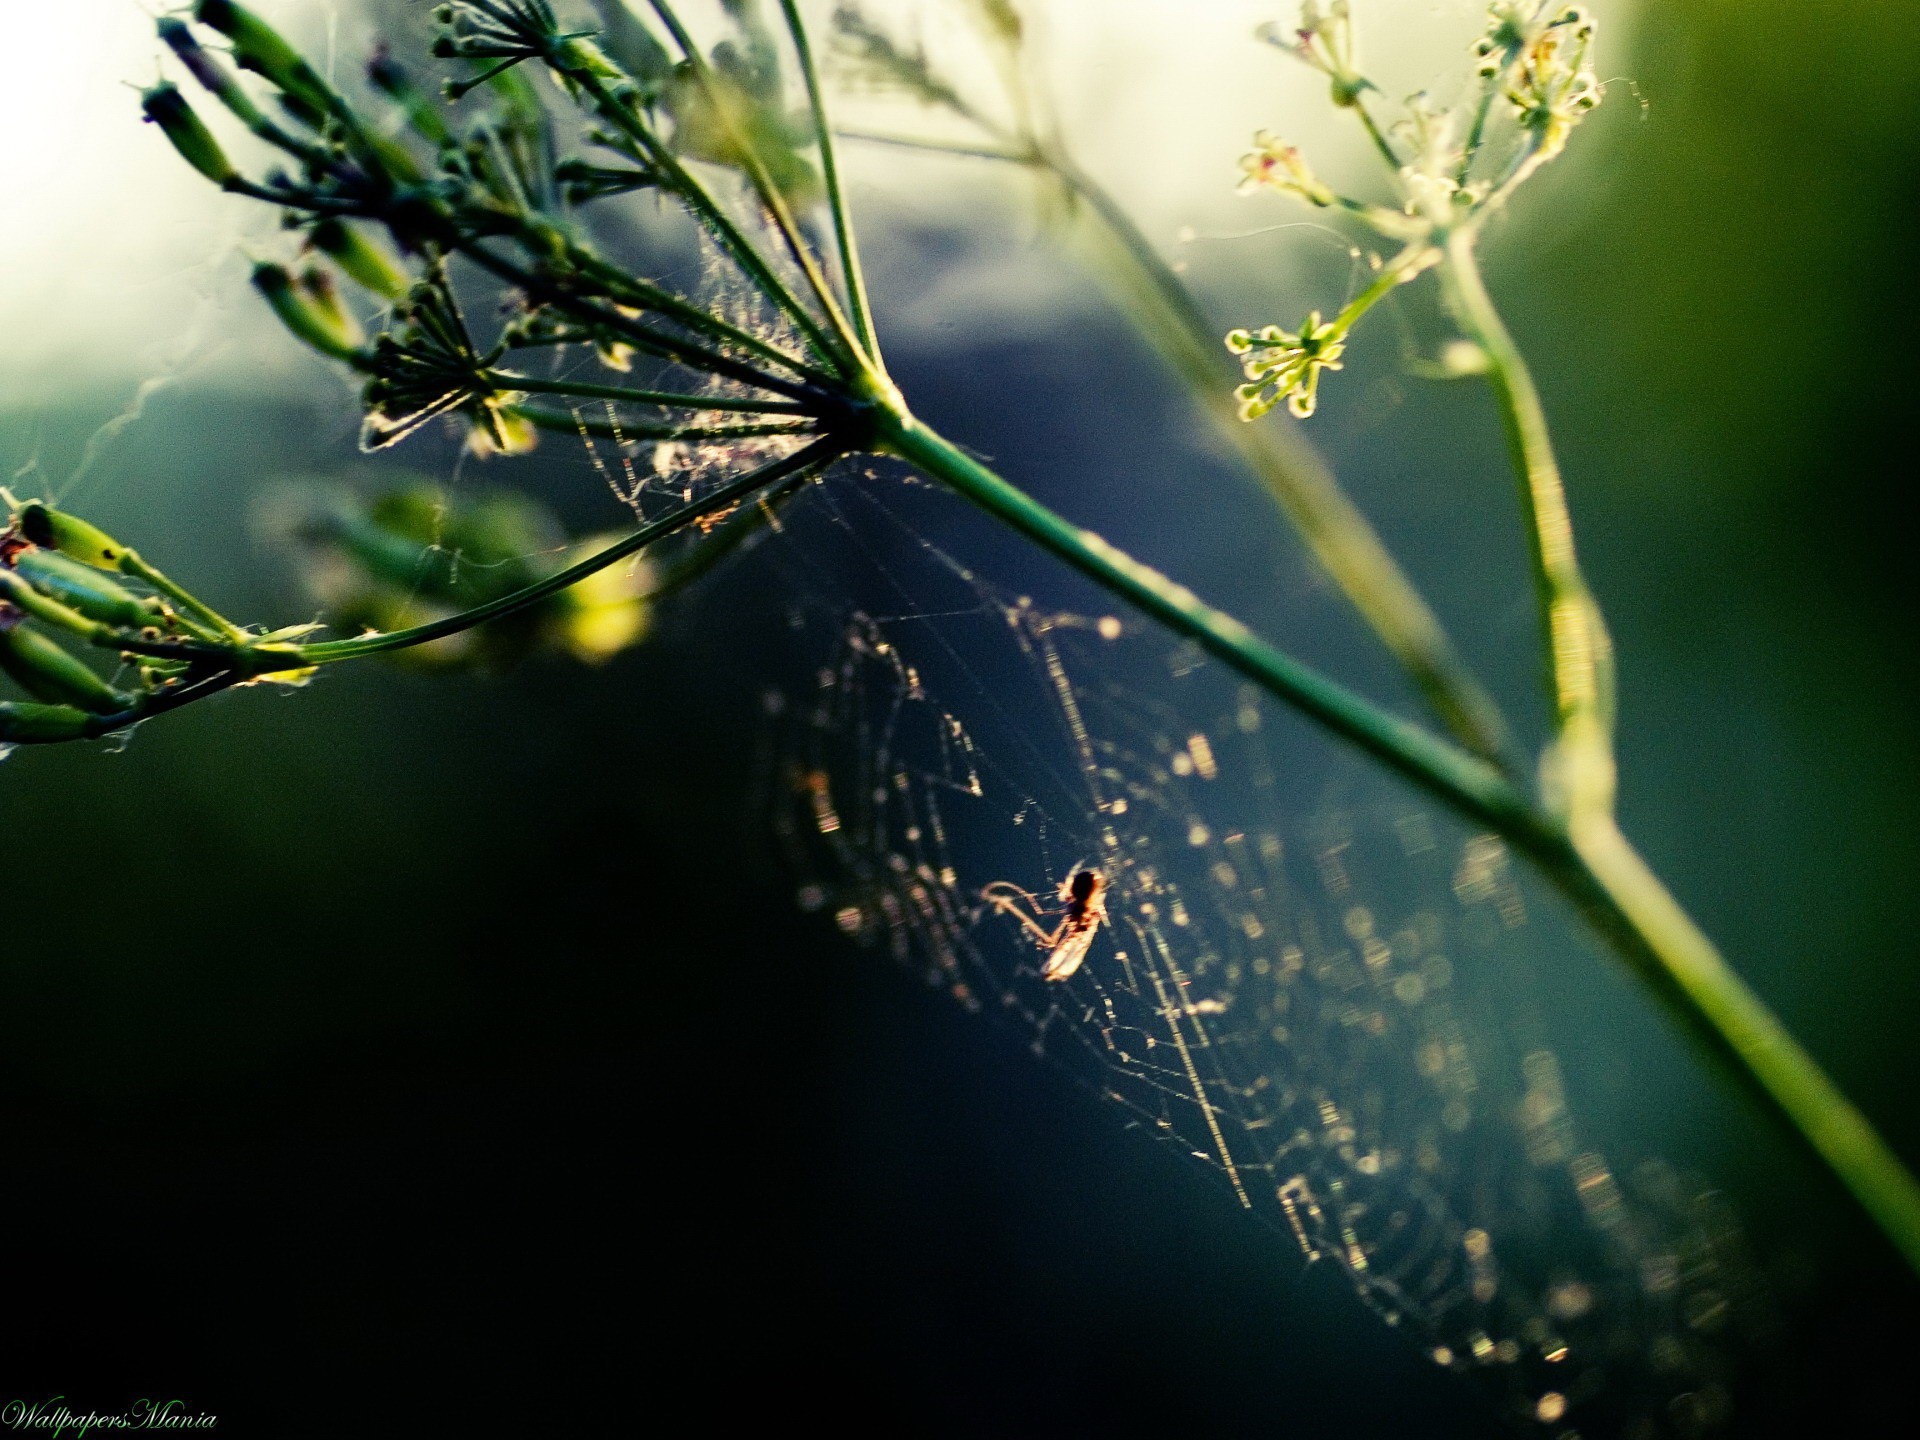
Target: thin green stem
[(1684, 967), (795, 468), (675, 400), (1339, 534), (1290, 469), (640, 336), (1405, 266), (843, 232), (630, 290), (1476, 132), (1579, 652), (705, 209), (1376, 134), (1588, 861), (573, 423), (763, 184), (1461, 779)]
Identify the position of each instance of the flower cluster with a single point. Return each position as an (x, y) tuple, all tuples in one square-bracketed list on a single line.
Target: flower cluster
[(1552, 84), (1285, 365), (1451, 166), (1323, 40), (1273, 164), (430, 367), (1430, 183)]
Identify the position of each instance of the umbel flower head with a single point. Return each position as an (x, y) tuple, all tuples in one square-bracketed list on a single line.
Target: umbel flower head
[(1552, 86), (429, 366), (1284, 365), (1273, 164), (1324, 41)]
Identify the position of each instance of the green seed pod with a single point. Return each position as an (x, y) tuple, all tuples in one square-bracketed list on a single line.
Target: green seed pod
[(258, 47), (327, 328), (42, 724), (212, 75), (367, 262), (166, 107), (423, 112), (73, 537), (49, 673), (83, 589)]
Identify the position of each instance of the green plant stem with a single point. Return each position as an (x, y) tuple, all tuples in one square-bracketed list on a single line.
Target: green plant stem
[(572, 422), (1288, 467), (843, 232), (1462, 779), (770, 194), (1579, 652), (673, 400), (641, 337), (1684, 968), (1375, 134), (1340, 536), (708, 212), (1404, 267)]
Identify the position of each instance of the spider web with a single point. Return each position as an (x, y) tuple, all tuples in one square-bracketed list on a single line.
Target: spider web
[(1311, 983)]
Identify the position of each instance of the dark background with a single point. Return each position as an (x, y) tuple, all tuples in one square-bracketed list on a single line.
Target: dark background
[(448, 1054)]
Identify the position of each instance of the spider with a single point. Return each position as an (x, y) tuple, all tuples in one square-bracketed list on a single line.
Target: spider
[(1084, 894)]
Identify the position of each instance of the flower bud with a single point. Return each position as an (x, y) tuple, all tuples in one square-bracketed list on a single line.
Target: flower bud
[(73, 537), (307, 312), (166, 107), (83, 590), (363, 259), (47, 672), (258, 47), (42, 724), (212, 75)]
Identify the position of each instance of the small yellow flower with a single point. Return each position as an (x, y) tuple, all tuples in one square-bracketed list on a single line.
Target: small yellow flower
[(1282, 365)]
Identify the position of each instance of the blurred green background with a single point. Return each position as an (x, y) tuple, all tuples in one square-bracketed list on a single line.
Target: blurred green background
[(459, 1035)]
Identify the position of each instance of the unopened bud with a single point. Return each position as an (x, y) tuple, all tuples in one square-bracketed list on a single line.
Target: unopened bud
[(83, 589), (367, 262), (258, 47), (41, 724), (73, 537), (47, 672), (306, 311), (166, 107)]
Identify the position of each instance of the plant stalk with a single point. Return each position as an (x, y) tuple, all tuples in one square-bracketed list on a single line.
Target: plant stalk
[(1458, 777), (1578, 649)]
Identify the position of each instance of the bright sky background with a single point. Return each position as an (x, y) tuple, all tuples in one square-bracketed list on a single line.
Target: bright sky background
[(122, 264)]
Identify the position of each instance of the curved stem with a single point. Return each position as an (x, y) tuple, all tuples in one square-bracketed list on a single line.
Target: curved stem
[(572, 422), (763, 184), (1684, 967), (1376, 134), (1339, 534), (1292, 472), (708, 211)]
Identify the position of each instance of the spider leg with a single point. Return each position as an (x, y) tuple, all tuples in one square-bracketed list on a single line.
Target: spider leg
[(1006, 904)]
